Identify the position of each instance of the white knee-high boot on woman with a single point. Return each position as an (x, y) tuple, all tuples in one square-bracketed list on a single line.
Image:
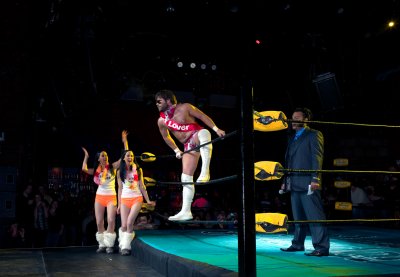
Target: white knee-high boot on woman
[(109, 240), (100, 240), (126, 241)]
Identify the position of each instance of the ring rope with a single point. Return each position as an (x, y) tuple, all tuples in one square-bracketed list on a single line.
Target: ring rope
[(194, 183), (345, 123), (335, 171), (195, 148), (343, 220), (287, 222), (269, 120), (196, 221), (285, 170)]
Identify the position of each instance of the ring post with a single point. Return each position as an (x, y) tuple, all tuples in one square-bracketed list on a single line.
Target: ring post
[(246, 230)]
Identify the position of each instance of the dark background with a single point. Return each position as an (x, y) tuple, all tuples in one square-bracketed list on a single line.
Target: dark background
[(75, 73)]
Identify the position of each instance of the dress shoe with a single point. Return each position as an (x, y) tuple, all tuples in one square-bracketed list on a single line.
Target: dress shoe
[(292, 249), (317, 253)]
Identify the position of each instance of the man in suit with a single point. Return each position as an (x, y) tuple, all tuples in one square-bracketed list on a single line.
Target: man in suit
[(305, 152)]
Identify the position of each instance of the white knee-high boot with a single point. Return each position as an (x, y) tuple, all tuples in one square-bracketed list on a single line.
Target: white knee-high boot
[(205, 152), (109, 240), (126, 243), (120, 234), (100, 240), (187, 198)]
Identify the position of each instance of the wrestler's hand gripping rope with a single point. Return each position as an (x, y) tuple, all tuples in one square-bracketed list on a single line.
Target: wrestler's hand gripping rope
[(146, 157), (149, 157)]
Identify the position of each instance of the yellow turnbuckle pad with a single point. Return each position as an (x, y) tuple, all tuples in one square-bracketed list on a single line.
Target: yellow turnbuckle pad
[(341, 162), (342, 184), (271, 223), (147, 157), (267, 171), (343, 206), (269, 121), (146, 208), (149, 182)]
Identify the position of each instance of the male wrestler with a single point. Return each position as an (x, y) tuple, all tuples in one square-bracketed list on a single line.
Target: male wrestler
[(180, 120)]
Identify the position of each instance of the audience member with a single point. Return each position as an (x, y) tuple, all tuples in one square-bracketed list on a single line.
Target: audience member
[(16, 236), (143, 222), (360, 202), (200, 202), (55, 221), (24, 211), (45, 195), (40, 222)]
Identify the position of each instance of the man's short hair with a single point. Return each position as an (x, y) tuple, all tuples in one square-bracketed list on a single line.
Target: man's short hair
[(166, 94), (306, 112)]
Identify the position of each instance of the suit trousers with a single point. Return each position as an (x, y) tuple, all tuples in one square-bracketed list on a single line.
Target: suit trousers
[(309, 207)]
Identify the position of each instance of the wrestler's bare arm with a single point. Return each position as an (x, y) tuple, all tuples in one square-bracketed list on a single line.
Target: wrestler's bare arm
[(165, 134), (198, 114)]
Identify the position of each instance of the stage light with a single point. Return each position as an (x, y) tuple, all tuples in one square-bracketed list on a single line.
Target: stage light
[(391, 24), (170, 8)]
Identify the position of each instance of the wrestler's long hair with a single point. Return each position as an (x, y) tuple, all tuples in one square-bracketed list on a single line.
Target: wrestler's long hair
[(166, 94), (123, 167)]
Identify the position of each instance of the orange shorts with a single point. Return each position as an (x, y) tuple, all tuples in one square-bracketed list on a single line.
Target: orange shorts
[(104, 200), (129, 202)]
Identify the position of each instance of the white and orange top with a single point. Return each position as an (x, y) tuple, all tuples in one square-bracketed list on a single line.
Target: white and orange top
[(105, 181), (130, 186)]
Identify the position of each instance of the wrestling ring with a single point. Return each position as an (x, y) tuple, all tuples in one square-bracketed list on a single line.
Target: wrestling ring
[(269, 225)]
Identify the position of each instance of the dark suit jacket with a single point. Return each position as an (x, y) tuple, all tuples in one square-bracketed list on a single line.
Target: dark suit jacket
[(305, 153)]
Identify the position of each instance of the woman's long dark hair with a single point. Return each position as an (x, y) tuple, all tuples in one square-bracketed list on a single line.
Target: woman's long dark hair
[(122, 166), (96, 163)]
